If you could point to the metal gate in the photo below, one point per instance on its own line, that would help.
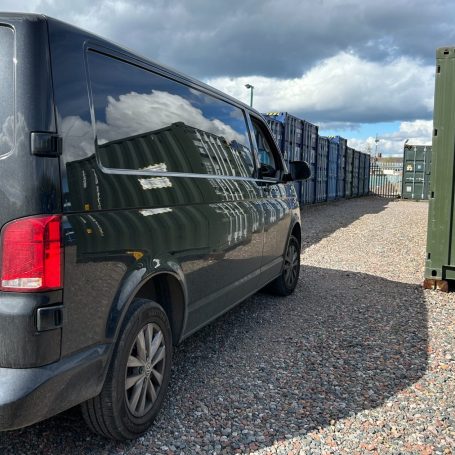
(386, 179)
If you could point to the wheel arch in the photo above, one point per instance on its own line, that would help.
(297, 232)
(165, 287)
(167, 290)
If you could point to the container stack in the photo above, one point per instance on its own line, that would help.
(337, 171)
(298, 140)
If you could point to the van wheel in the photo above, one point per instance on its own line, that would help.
(287, 281)
(138, 375)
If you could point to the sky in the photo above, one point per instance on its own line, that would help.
(359, 69)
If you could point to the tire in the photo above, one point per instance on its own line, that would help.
(138, 375)
(285, 284)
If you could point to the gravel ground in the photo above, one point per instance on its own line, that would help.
(359, 360)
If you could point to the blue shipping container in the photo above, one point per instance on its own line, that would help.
(337, 171)
(355, 173)
(332, 171)
(341, 164)
(321, 169)
(298, 140)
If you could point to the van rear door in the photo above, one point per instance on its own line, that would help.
(29, 187)
(29, 184)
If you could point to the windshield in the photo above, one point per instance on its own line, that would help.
(6, 89)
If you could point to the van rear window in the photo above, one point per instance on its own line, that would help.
(6, 89)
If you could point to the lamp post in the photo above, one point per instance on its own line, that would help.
(250, 87)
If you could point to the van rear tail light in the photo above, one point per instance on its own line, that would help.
(31, 255)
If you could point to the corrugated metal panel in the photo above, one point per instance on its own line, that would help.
(298, 140)
(338, 171)
(309, 152)
(355, 173)
(416, 172)
(440, 259)
(307, 188)
(341, 164)
(321, 169)
(348, 172)
(278, 131)
(332, 171)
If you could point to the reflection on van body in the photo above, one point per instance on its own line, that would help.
(176, 148)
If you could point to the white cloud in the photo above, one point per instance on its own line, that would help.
(344, 88)
(418, 132)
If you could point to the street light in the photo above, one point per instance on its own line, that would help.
(250, 87)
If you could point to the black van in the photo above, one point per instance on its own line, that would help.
(136, 206)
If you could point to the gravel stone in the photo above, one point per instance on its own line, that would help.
(360, 359)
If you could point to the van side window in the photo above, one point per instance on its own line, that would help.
(7, 133)
(267, 162)
(145, 121)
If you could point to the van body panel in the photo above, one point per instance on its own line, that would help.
(277, 214)
(28, 395)
(22, 346)
(159, 174)
(213, 227)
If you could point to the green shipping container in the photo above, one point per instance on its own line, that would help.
(440, 259)
(416, 172)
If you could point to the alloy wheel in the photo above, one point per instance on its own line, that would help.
(145, 370)
(291, 265)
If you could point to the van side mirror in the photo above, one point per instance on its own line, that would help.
(299, 170)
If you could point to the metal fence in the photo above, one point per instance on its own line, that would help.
(386, 179)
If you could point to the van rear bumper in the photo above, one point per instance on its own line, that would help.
(29, 395)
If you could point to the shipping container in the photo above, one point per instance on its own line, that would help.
(321, 169)
(341, 164)
(298, 140)
(348, 172)
(416, 172)
(332, 171)
(355, 173)
(440, 259)
(337, 171)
